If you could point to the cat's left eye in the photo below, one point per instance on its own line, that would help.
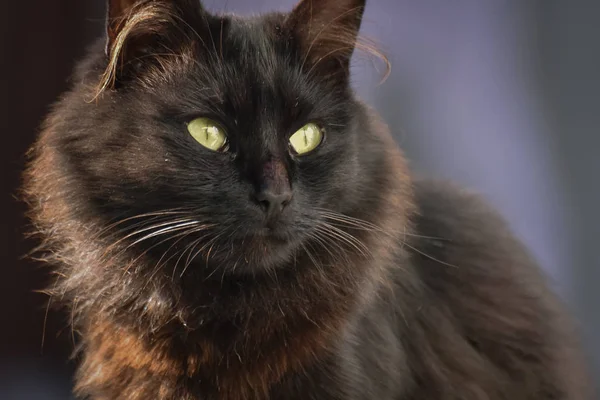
(208, 133)
(308, 138)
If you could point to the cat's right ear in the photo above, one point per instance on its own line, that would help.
(119, 12)
(140, 32)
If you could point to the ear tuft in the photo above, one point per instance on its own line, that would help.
(119, 11)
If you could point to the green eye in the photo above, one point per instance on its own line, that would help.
(308, 138)
(208, 133)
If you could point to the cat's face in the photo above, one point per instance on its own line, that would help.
(238, 138)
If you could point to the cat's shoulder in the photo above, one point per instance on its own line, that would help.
(457, 233)
(450, 212)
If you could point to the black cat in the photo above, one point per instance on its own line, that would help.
(227, 221)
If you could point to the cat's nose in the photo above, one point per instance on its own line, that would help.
(272, 190)
(273, 202)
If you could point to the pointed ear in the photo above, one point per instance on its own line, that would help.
(327, 30)
(118, 12)
(140, 33)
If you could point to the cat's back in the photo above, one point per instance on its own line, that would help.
(460, 234)
(485, 325)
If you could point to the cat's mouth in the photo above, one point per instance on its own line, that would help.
(269, 242)
(275, 231)
(274, 234)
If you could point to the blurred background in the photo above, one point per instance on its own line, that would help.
(502, 96)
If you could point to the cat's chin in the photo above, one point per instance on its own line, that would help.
(263, 249)
(266, 251)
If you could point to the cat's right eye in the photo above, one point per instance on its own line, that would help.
(208, 133)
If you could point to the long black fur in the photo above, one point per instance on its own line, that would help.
(371, 285)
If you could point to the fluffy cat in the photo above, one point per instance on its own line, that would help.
(228, 221)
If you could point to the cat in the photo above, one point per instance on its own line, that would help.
(227, 221)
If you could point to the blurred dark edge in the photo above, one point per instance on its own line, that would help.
(569, 64)
(40, 40)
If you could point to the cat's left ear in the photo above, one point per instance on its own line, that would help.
(327, 30)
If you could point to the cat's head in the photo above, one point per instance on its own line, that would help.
(230, 140)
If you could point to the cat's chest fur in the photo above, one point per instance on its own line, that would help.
(454, 324)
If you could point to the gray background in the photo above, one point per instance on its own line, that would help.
(501, 96)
